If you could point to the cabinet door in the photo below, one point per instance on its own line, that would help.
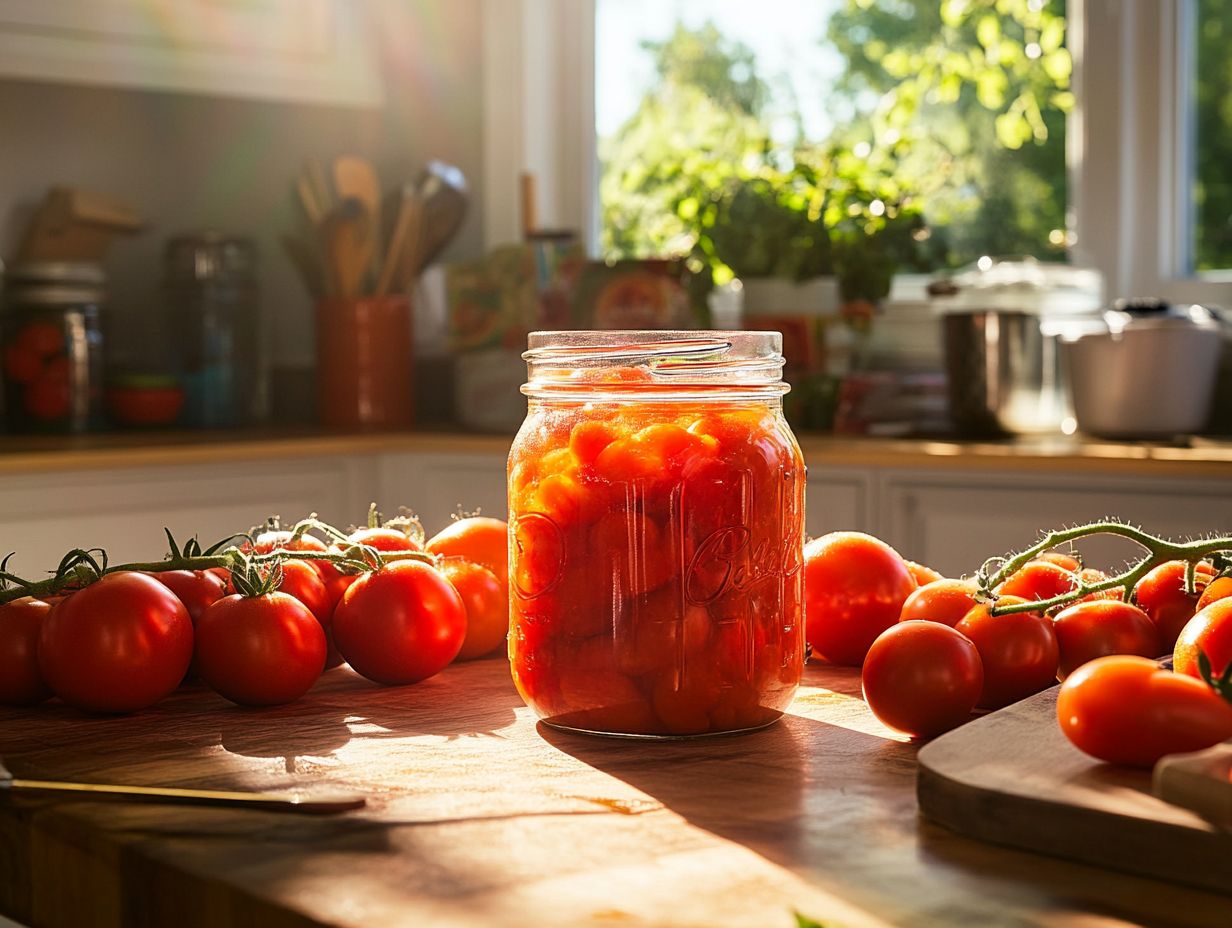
(438, 486)
(838, 499)
(307, 50)
(953, 522)
(125, 511)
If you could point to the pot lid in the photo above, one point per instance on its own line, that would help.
(1023, 284)
(1153, 314)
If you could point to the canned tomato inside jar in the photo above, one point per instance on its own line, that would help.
(656, 500)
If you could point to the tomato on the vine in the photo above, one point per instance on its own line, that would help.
(284, 540)
(1210, 631)
(1038, 580)
(854, 589)
(118, 645)
(922, 678)
(1069, 562)
(1127, 710)
(923, 574)
(487, 606)
(400, 623)
(1219, 588)
(196, 589)
(1018, 651)
(384, 538)
(1161, 595)
(479, 539)
(261, 650)
(944, 601)
(303, 581)
(21, 682)
(1097, 628)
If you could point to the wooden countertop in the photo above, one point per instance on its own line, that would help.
(479, 817)
(1201, 458)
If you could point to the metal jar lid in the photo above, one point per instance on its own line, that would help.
(210, 256)
(56, 283)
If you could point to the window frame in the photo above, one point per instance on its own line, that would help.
(1127, 142)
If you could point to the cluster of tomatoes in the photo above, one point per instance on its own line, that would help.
(38, 369)
(262, 635)
(931, 651)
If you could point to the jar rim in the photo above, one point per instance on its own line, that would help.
(677, 364)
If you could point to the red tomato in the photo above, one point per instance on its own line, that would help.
(923, 574)
(1161, 595)
(944, 601)
(479, 539)
(1064, 561)
(49, 397)
(196, 589)
(922, 678)
(1091, 576)
(589, 438)
(118, 645)
(1127, 710)
(1038, 580)
(260, 650)
(487, 606)
(400, 624)
(1210, 631)
(1100, 627)
(384, 539)
(21, 683)
(1219, 588)
(42, 339)
(1018, 651)
(21, 366)
(854, 589)
(302, 580)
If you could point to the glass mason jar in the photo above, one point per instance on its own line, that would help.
(656, 512)
(51, 341)
(210, 287)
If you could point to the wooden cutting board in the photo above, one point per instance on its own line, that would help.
(1012, 778)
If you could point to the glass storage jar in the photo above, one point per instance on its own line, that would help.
(52, 344)
(210, 286)
(656, 503)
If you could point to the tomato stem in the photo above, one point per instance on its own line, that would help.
(994, 571)
(81, 567)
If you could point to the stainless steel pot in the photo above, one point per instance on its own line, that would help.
(1002, 323)
(1004, 374)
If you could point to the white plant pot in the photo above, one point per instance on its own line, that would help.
(778, 296)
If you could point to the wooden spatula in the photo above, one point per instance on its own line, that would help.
(356, 177)
(350, 243)
(304, 803)
(402, 256)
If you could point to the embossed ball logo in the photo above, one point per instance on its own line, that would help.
(538, 555)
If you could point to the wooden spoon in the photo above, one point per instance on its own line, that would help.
(404, 244)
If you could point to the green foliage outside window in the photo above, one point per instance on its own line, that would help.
(951, 147)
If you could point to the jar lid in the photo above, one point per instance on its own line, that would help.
(204, 256)
(56, 283)
(33, 273)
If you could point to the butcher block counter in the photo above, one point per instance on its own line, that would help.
(479, 816)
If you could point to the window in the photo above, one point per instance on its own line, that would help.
(754, 140)
(1145, 140)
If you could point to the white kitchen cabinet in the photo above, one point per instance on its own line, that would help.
(838, 499)
(317, 51)
(947, 517)
(440, 485)
(952, 520)
(125, 510)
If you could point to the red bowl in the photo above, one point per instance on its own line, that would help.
(145, 406)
